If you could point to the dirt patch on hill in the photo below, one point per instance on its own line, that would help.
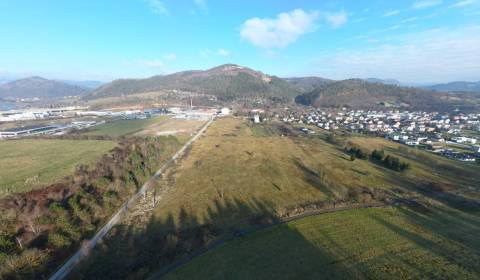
(172, 127)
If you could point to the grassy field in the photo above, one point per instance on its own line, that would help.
(28, 163)
(124, 127)
(239, 176)
(239, 161)
(356, 244)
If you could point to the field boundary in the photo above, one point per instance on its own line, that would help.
(306, 214)
(87, 246)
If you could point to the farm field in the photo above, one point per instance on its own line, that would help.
(124, 127)
(240, 177)
(387, 243)
(28, 163)
(172, 126)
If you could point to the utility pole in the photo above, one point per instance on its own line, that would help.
(154, 197)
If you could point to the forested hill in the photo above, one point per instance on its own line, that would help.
(457, 87)
(226, 82)
(38, 87)
(357, 93)
(308, 84)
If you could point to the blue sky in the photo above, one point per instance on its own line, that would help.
(414, 41)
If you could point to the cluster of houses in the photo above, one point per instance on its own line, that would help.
(454, 135)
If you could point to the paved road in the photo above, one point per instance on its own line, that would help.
(65, 269)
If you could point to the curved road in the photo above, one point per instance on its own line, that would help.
(65, 269)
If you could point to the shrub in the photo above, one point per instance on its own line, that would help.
(6, 244)
(24, 265)
(58, 241)
(110, 195)
(378, 155)
(394, 163)
(357, 153)
(56, 208)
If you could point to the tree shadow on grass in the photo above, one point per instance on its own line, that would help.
(458, 261)
(169, 247)
(435, 191)
(165, 244)
(461, 227)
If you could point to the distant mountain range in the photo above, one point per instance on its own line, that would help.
(232, 82)
(37, 87)
(226, 82)
(84, 84)
(385, 82)
(456, 87)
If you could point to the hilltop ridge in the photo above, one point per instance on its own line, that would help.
(226, 82)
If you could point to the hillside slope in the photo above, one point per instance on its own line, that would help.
(360, 94)
(457, 87)
(38, 87)
(382, 81)
(240, 177)
(226, 82)
(308, 84)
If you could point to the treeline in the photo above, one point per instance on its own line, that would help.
(43, 227)
(378, 156)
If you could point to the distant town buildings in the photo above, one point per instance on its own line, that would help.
(82, 118)
(224, 111)
(442, 133)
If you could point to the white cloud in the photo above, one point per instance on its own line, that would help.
(463, 3)
(430, 56)
(391, 13)
(153, 63)
(411, 19)
(426, 4)
(223, 52)
(158, 7)
(170, 56)
(206, 53)
(278, 32)
(337, 19)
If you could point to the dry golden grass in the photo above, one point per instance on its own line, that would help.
(230, 163)
(236, 161)
(171, 126)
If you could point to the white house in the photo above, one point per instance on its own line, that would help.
(225, 111)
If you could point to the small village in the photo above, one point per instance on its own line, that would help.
(454, 135)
